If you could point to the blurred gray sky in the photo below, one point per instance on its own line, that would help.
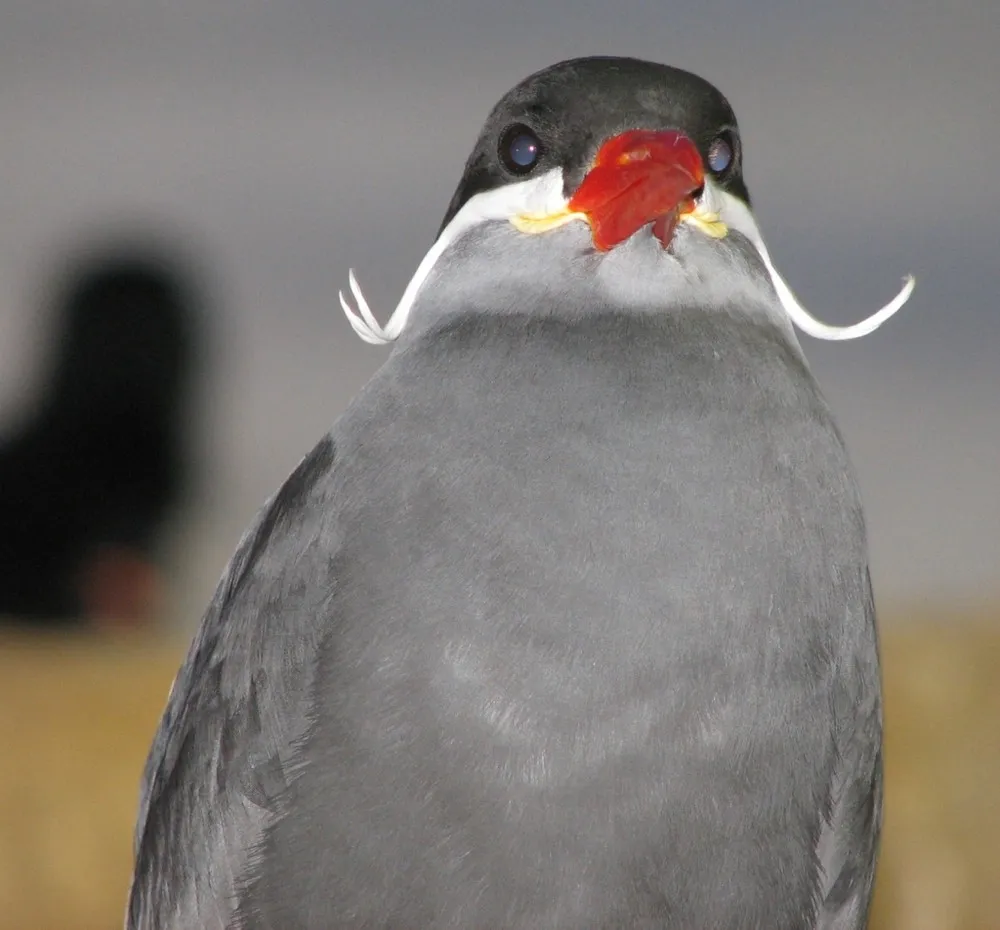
(291, 140)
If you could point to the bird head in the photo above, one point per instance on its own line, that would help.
(630, 148)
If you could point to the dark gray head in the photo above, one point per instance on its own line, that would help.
(571, 108)
(634, 150)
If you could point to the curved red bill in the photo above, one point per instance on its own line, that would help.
(639, 177)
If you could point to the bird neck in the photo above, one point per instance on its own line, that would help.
(495, 270)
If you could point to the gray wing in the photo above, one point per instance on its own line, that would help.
(848, 842)
(219, 762)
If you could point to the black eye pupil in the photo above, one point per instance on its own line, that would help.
(524, 150)
(720, 155)
(520, 149)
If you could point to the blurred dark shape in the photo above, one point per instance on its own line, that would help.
(87, 484)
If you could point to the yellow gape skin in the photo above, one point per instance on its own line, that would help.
(709, 223)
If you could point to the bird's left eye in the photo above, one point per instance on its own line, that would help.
(720, 154)
(520, 149)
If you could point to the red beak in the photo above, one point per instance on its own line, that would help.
(639, 177)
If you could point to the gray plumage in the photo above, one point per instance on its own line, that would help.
(566, 624)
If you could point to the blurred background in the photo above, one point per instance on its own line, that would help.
(183, 188)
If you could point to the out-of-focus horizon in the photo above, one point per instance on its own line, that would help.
(284, 143)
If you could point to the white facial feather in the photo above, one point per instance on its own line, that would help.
(540, 196)
(543, 197)
(737, 215)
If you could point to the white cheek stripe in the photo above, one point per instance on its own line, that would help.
(737, 215)
(539, 196)
(543, 197)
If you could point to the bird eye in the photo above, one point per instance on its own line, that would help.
(520, 149)
(720, 154)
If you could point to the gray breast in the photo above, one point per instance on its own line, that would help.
(596, 582)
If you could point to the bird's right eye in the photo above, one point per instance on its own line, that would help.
(520, 149)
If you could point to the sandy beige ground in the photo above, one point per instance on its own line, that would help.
(76, 717)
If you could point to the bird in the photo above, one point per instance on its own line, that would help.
(89, 482)
(568, 620)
